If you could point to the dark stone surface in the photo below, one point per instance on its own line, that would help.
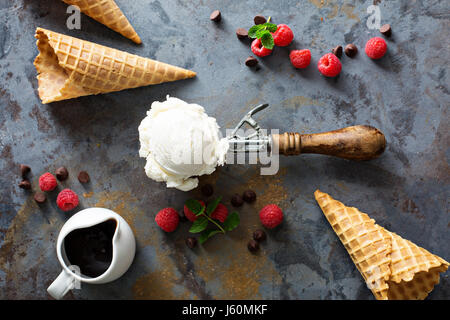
(405, 95)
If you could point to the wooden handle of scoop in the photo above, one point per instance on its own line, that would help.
(355, 143)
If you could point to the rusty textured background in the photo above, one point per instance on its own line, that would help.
(406, 190)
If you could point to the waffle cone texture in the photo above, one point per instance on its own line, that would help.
(393, 268)
(108, 13)
(69, 67)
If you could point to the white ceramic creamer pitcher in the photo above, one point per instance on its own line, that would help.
(123, 250)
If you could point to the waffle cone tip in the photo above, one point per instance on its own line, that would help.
(108, 13)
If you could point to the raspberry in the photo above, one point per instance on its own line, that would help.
(67, 200)
(300, 58)
(283, 36)
(259, 50)
(376, 48)
(271, 216)
(220, 213)
(47, 182)
(167, 219)
(189, 214)
(329, 65)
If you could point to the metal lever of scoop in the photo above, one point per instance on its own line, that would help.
(250, 121)
(248, 143)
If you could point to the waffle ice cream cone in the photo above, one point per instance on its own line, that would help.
(108, 13)
(69, 67)
(393, 268)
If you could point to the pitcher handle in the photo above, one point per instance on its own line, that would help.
(61, 285)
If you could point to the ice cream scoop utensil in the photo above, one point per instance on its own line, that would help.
(360, 142)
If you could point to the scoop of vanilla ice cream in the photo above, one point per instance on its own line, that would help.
(180, 141)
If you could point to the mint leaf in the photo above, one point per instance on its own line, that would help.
(260, 30)
(232, 221)
(270, 26)
(199, 225)
(207, 234)
(261, 33)
(267, 40)
(252, 31)
(212, 206)
(195, 206)
(201, 211)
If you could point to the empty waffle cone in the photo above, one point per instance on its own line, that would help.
(108, 13)
(69, 67)
(393, 268)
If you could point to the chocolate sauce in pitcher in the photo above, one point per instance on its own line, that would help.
(91, 248)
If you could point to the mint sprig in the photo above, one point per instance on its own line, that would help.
(204, 217)
(263, 32)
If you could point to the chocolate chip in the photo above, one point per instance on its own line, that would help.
(24, 170)
(62, 174)
(249, 196)
(242, 33)
(351, 50)
(191, 242)
(386, 30)
(253, 246)
(259, 19)
(337, 51)
(259, 235)
(83, 177)
(215, 16)
(25, 184)
(236, 200)
(207, 190)
(251, 61)
(40, 197)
